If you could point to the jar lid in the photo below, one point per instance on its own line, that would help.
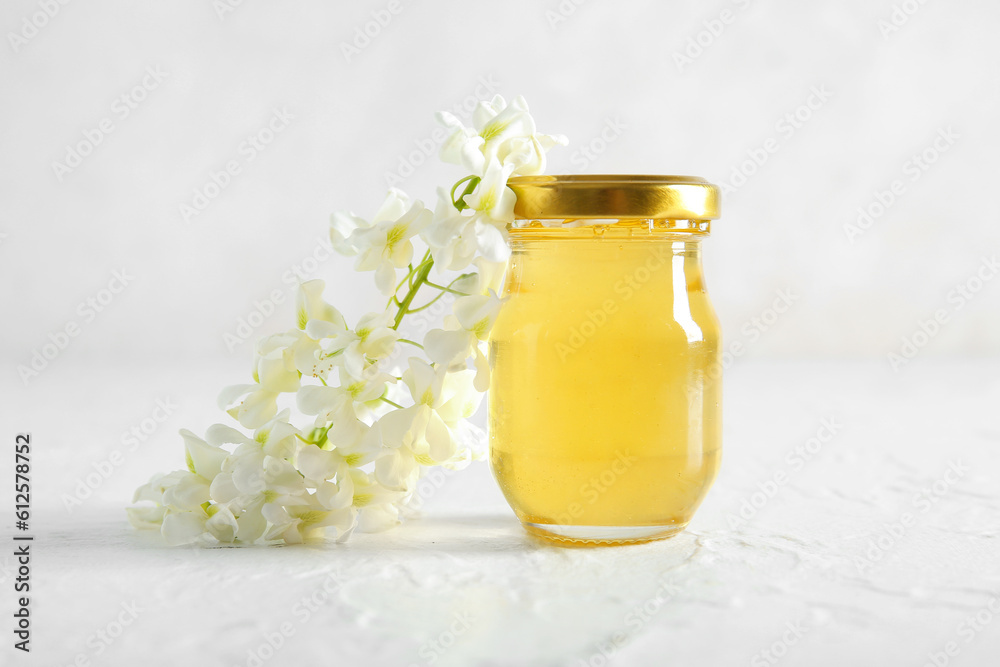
(614, 196)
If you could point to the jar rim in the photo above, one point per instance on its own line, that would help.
(548, 197)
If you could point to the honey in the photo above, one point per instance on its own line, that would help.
(605, 398)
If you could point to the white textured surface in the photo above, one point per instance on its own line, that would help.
(529, 604)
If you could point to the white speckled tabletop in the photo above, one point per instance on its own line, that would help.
(855, 522)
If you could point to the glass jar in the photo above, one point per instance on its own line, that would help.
(605, 395)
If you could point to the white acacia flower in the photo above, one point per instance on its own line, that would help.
(526, 155)
(307, 352)
(465, 338)
(149, 510)
(492, 204)
(488, 277)
(422, 435)
(344, 225)
(187, 527)
(257, 472)
(204, 462)
(275, 438)
(375, 504)
(386, 246)
(356, 349)
(419, 428)
(319, 465)
(275, 373)
(356, 500)
(397, 468)
(350, 436)
(492, 199)
(310, 307)
(175, 504)
(477, 313)
(460, 399)
(463, 146)
(335, 495)
(351, 396)
(359, 460)
(183, 526)
(308, 521)
(455, 238)
(452, 236)
(258, 464)
(346, 443)
(183, 497)
(249, 490)
(503, 132)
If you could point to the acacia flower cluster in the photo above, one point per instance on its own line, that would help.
(374, 410)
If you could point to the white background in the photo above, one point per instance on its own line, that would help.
(355, 120)
(359, 112)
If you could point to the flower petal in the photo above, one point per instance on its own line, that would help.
(441, 446)
(316, 400)
(183, 527)
(222, 525)
(385, 278)
(447, 347)
(203, 458)
(396, 469)
(317, 464)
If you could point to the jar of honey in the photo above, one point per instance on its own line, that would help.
(605, 396)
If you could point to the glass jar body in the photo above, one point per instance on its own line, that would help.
(605, 397)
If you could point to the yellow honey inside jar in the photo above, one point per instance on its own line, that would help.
(605, 422)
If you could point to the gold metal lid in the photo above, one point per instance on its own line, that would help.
(615, 196)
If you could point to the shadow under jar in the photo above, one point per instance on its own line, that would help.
(605, 394)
